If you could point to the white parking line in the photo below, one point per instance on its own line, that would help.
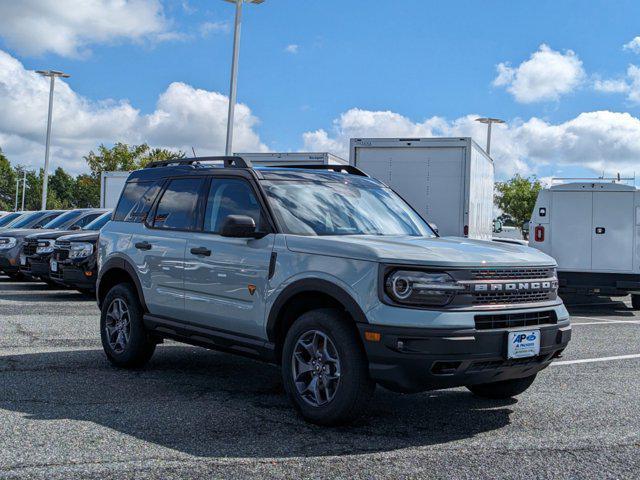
(592, 360)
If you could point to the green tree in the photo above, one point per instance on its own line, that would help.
(120, 157)
(63, 186)
(7, 184)
(517, 197)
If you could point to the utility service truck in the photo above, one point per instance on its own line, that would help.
(297, 158)
(111, 185)
(449, 181)
(593, 231)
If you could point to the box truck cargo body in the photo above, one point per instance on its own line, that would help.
(449, 181)
(593, 232)
(298, 158)
(111, 185)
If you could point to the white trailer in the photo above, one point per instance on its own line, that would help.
(449, 181)
(298, 158)
(593, 232)
(111, 185)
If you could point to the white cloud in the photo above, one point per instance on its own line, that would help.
(600, 140)
(68, 27)
(547, 75)
(293, 48)
(630, 85)
(633, 45)
(207, 28)
(184, 117)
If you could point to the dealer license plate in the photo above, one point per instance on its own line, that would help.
(523, 344)
(54, 266)
(23, 260)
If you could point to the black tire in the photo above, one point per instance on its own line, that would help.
(635, 301)
(139, 347)
(354, 388)
(502, 390)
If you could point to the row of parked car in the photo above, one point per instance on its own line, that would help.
(53, 246)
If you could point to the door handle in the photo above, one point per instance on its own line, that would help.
(600, 230)
(143, 246)
(201, 251)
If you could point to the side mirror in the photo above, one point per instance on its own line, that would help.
(238, 226)
(76, 227)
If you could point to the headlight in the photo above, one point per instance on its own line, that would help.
(7, 242)
(80, 250)
(44, 246)
(421, 288)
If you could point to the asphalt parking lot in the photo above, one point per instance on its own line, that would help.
(66, 413)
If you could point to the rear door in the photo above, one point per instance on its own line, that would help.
(612, 232)
(158, 248)
(571, 217)
(226, 279)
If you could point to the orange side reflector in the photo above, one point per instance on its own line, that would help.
(88, 273)
(372, 336)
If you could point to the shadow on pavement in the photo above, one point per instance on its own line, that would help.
(216, 405)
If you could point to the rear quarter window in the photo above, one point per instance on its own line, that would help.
(135, 201)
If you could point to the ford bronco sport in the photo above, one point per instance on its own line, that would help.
(326, 272)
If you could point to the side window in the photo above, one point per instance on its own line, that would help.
(87, 219)
(178, 207)
(230, 196)
(45, 219)
(135, 201)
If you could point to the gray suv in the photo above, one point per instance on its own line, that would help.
(326, 272)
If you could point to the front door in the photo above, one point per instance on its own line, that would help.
(226, 278)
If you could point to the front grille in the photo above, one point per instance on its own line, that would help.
(61, 250)
(511, 320)
(513, 273)
(30, 248)
(493, 298)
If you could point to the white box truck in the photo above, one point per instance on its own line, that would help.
(593, 232)
(449, 181)
(299, 158)
(111, 185)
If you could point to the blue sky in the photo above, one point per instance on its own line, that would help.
(416, 59)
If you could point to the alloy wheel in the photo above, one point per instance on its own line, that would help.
(316, 368)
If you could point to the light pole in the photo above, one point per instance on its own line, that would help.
(24, 187)
(489, 121)
(52, 74)
(17, 193)
(234, 71)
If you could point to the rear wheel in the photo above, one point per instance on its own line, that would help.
(635, 301)
(124, 338)
(502, 390)
(325, 369)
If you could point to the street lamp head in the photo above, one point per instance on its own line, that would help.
(489, 120)
(53, 73)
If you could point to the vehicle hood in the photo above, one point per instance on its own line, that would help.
(440, 251)
(19, 232)
(89, 236)
(50, 234)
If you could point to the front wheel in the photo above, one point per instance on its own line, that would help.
(124, 338)
(502, 390)
(325, 369)
(635, 301)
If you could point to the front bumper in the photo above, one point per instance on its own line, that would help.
(74, 274)
(418, 359)
(36, 267)
(10, 260)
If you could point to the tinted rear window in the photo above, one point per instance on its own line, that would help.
(178, 207)
(135, 201)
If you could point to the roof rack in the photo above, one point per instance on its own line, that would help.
(227, 161)
(350, 169)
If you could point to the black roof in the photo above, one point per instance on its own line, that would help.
(236, 166)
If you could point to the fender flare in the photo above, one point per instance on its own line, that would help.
(313, 285)
(121, 263)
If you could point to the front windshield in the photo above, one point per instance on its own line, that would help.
(99, 222)
(340, 208)
(7, 219)
(26, 219)
(62, 219)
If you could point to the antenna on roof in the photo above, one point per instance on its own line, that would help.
(194, 151)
